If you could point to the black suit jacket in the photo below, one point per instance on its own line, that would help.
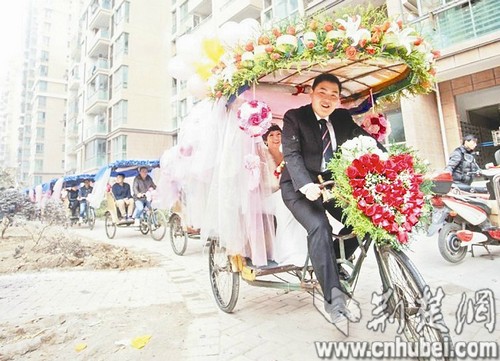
(302, 144)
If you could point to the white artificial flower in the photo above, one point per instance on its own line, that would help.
(397, 37)
(352, 29)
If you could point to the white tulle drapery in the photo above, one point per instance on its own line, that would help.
(211, 175)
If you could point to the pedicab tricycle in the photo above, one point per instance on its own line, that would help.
(273, 72)
(151, 219)
(74, 181)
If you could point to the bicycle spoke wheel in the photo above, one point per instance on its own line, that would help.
(225, 283)
(400, 275)
(143, 226)
(157, 225)
(109, 226)
(91, 218)
(178, 238)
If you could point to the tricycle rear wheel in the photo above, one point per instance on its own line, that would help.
(225, 283)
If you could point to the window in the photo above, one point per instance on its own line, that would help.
(183, 12)
(119, 146)
(39, 148)
(122, 13)
(95, 153)
(37, 179)
(120, 111)
(174, 22)
(40, 133)
(41, 117)
(46, 41)
(120, 78)
(183, 108)
(44, 55)
(44, 70)
(121, 45)
(42, 101)
(279, 9)
(42, 85)
(38, 165)
(175, 121)
(397, 134)
(174, 86)
(46, 27)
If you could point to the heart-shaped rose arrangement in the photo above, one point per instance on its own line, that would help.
(388, 192)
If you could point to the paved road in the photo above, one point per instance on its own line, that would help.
(267, 324)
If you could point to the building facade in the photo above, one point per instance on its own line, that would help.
(118, 86)
(41, 138)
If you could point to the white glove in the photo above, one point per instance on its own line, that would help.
(311, 191)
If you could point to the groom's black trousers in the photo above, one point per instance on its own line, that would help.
(322, 250)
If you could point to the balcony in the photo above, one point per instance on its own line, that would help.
(76, 46)
(202, 7)
(95, 130)
(74, 77)
(95, 162)
(72, 131)
(99, 14)
(97, 102)
(101, 66)
(238, 10)
(454, 26)
(99, 45)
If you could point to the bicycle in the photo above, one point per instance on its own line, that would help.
(89, 216)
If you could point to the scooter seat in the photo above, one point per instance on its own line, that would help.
(479, 203)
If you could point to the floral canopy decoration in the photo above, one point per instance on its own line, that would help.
(383, 194)
(243, 53)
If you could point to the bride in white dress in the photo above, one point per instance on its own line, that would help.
(290, 244)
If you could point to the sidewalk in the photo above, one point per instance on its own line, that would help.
(174, 303)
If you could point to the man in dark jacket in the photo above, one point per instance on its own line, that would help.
(462, 164)
(123, 196)
(310, 136)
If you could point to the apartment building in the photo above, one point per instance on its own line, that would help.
(118, 85)
(10, 95)
(41, 139)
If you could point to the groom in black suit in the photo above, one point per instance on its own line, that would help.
(310, 136)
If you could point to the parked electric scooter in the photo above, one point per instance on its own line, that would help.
(464, 218)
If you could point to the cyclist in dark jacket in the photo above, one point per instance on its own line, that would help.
(462, 164)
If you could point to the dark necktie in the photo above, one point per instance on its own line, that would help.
(327, 142)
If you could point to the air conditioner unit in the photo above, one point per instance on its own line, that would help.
(411, 6)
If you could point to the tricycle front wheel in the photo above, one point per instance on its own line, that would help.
(109, 226)
(408, 292)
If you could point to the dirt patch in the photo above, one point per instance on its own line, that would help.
(34, 246)
(106, 335)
